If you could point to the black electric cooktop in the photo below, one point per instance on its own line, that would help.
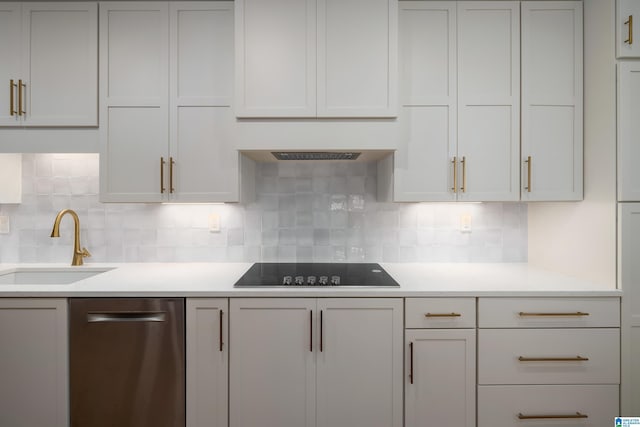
(315, 275)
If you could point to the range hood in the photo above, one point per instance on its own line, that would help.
(316, 155)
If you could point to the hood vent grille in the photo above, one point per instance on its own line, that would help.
(315, 155)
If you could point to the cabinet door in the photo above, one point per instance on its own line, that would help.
(207, 362)
(60, 63)
(489, 100)
(202, 143)
(551, 100)
(272, 366)
(360, 362)
(34, 390)
(10, 64)
(357, 58)
(628, 131)
(423, 168)
(275, 58)
(441, 381)
(134, 97)
(627, 29)
(629, 274)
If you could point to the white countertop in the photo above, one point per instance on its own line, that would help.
(217, 279)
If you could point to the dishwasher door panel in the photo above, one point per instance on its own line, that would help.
(127, 366)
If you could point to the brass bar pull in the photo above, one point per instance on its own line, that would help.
(553, 359)
(171, 164)
(12, 101)
(311, 330)
(455, 174)
(162, 162)
(221, 341)
(528, 162)
(547, 417)
(464, 174)
(629, 22)
(443, 315)
(575, 314)
(321, 349)
(21, 110)
(411, 362)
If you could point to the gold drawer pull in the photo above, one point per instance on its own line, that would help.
(553, 359)
(629, 22)
(455, 174)
(443, 315)
(576, 314)
(547, 417)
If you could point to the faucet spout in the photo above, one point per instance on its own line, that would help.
(78, 254)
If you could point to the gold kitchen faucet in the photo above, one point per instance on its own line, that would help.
(78, 254)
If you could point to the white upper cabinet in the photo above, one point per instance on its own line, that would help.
(627, 28)
(308, 58)
(628, 131)
(552, 135)
(50, 64)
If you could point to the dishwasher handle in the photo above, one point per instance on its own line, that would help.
(127, 316)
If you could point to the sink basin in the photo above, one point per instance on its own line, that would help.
(47, 275)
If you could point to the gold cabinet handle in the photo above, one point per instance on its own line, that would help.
(455, 174)
(21, 107)
(528, 162)
(12, 101)
(553, 359)
(162, 162)
(411, 362)
(574, 314)
(442, 315)
(464, 174)
(629, 22)
(171, 164)
(547, 417)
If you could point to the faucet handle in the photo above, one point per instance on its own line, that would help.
(85, 253)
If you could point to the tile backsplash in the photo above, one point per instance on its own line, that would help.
(304, 211)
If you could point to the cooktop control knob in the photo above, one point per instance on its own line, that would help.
(299, 280)
(335, 280)
(286, 280)
(311, 280)
(323, 281)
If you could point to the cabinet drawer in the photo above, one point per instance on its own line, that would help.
(440, 313)
(548, 312)
(501, 406)
(505, 356)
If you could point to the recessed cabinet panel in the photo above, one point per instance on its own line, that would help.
(10, 63)
(628, 131)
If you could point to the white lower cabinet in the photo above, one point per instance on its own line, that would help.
(34, 385)
(207, 362)
(315, 362)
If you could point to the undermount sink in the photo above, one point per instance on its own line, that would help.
(47, 275)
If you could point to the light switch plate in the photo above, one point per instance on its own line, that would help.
(465, 223)
(214, 223)
(4, 224)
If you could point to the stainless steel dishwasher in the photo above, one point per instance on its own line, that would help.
(127, 363)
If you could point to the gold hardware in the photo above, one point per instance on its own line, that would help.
(411, 362)
(21, 111)
(12, 100)
(171, 163)
(576, 314)
(546, 417)
(553, 359)
(221, 342)
(311, 330)
(528, 162)
(78, 254)
(455, 174)
(464, 174)
(442, 315)
(629, 22)
(321, 349)
(162, 162)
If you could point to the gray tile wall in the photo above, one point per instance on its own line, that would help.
(303, 212)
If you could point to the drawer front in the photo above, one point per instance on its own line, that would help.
(503, 406)
(548, 312)
(549, 356)
(441, 313)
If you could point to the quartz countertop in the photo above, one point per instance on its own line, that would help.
(217, 279)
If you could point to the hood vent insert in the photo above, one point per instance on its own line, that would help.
(315, 155)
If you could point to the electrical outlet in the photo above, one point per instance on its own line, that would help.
(465, 223)
(214, 223)
(4, 224)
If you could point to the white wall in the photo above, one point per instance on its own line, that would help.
(580, 238)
